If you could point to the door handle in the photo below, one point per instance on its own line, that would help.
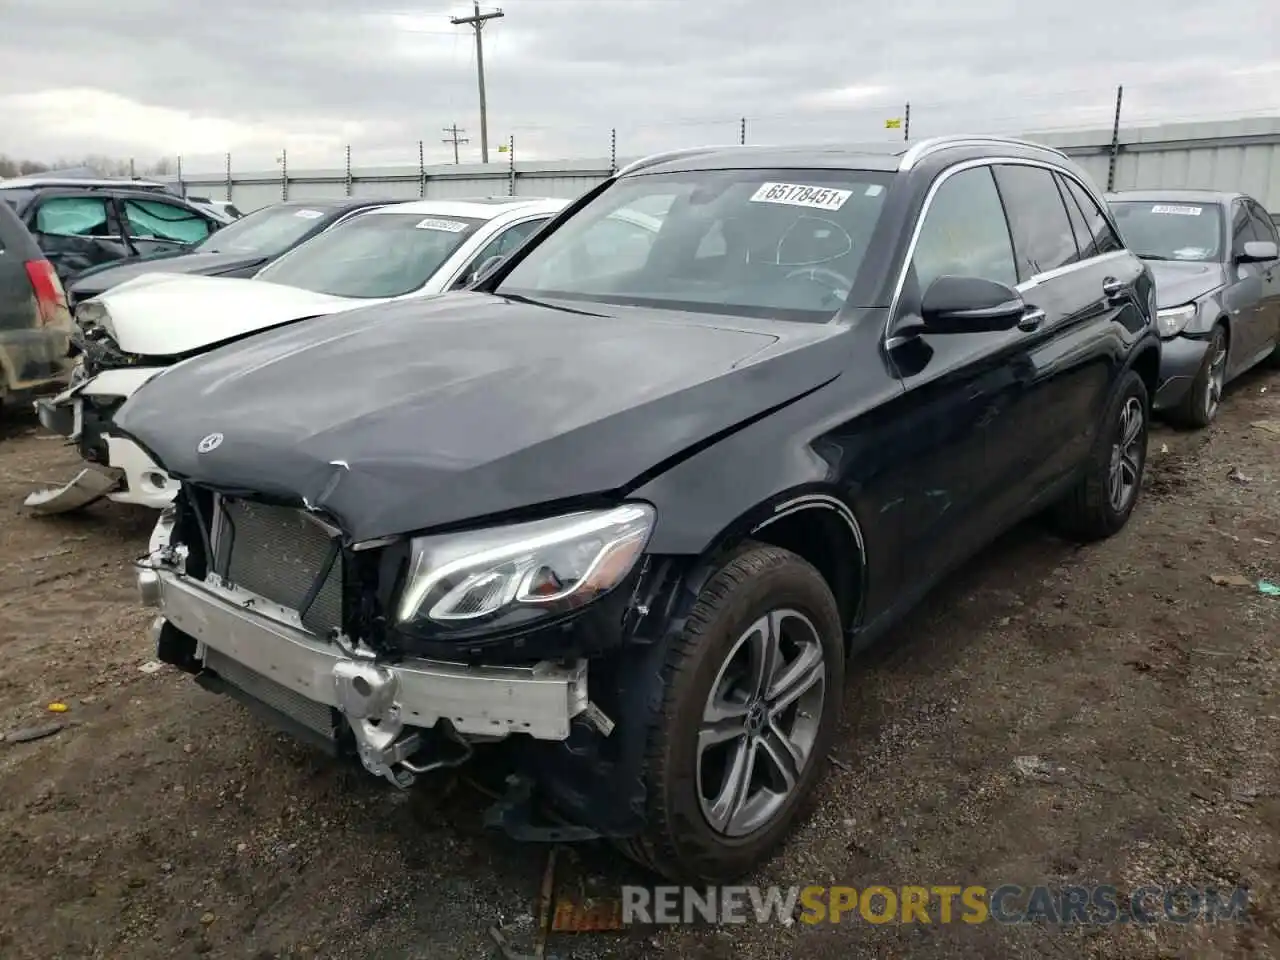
(1113, 287)
(1031, 320)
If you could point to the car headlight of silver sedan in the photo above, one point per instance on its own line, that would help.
(511, 576)
(1173, 320)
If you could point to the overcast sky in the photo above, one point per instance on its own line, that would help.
(197, 78)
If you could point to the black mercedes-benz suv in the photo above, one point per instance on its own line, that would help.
(632, 501)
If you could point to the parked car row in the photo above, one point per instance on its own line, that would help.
(623, 482)
(357, 253)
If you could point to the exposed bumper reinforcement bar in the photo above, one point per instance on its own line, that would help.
(381, 700)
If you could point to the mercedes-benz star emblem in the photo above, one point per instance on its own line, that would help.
(211, 442)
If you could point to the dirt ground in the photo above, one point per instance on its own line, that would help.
(166, 822)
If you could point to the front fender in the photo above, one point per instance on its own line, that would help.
(831, 444)
(1210, 308)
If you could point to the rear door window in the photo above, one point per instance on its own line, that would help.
(1081, 229)
(1042, 236)
(1103, 238)
(73, 217)
(156, 220)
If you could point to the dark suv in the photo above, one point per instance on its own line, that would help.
(82, 223)
(35, 323)
(633, 500)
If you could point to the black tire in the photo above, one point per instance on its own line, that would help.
(1087, 512)
(679, 842)
(1199, 407)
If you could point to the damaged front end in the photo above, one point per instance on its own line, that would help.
(269, 604)
(103, 378)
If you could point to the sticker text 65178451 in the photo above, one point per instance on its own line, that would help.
(800, 195)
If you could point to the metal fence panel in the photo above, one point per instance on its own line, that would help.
(1229, 155)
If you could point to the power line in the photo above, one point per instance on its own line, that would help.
(453, 138)
(477, 21)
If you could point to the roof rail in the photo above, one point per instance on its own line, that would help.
(656, 158)
(918, 151)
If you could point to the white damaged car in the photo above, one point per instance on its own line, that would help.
(140, 328)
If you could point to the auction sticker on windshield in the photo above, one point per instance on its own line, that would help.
(800, 195)
(309, 214)
(449, 226)
(1177, 209)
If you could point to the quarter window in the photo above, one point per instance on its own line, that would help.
(1104, 239)
(964, 233)
(1042, 237)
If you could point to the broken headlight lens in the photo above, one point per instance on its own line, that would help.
(516, 574)
(93, 313)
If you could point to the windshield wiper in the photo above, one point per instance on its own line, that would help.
(1152, 256)
(518, 298)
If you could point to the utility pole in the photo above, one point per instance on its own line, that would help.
(454, 139)
(1115, 141)
(477, 21)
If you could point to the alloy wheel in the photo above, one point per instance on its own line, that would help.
(1126, 455)
(760, 723)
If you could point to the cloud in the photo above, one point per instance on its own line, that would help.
(152, 78)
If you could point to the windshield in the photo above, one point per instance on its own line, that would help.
(375, 255)
(267, 232)
(784, 244)
(1170, 231)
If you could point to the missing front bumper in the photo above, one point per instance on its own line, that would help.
(244, 638)
(90, 484)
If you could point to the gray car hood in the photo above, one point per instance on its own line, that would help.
(1179, 281)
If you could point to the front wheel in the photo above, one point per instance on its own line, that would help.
(1204, 396)
(1105, 495)
(752, 700)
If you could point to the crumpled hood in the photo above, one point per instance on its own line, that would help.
(165, 315)
(100, 279)
(413, 414)
(1179, 282)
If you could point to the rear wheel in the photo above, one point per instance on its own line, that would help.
(752, 699)
(1200, 405)
(1105, 495)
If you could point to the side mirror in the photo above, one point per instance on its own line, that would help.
(970, 305)
(485, 268)
(1255, 251)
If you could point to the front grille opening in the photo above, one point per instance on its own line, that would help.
(281, 554)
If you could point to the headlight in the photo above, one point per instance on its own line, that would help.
(1171, 322)
(93, 313)
(508, 576)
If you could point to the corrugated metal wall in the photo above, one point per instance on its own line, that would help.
(1239, 155)
(1231, 155)
(253, 190)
